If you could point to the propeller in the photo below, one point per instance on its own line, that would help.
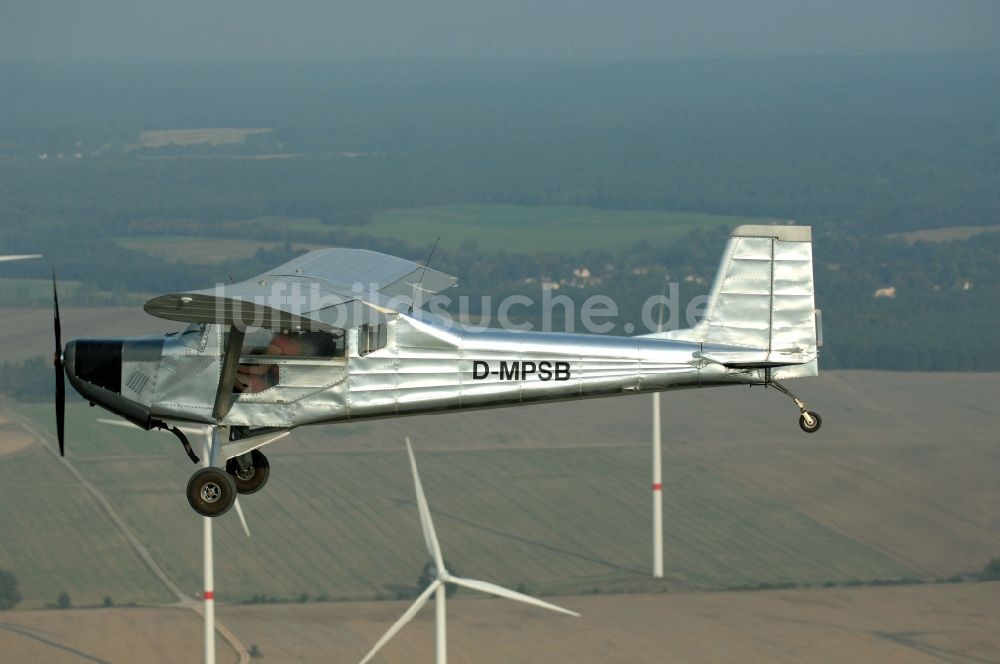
(57, 362)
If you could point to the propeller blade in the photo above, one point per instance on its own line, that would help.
(405, 618)
(60, 410)
(243, 519)
(57, 362)
(500, 591)
(55, 310)
(430, 537)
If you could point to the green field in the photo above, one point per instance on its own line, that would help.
(519, 228)
(55, 537)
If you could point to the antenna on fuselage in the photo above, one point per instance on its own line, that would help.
(424, 271)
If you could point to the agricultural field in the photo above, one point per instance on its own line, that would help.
(945, 234)
(518, 228)
(18, 292)
(78, 549)
(555, 519)
(27, 331)
(208, 135)
(900, 483)
(915, 624)
(106, 635)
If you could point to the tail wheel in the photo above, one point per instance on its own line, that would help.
(810, 421)
(211, 491)
(254, 477)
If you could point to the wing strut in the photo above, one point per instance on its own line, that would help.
(230, 362)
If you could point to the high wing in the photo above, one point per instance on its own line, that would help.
(324, 289)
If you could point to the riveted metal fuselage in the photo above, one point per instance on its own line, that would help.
(425, 366)
(428, 367)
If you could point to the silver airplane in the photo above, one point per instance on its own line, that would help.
(334, 336)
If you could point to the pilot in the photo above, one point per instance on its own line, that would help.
(252, 378)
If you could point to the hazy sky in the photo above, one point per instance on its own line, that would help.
(200, 29)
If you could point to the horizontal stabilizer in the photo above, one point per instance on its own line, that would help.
(753, 360)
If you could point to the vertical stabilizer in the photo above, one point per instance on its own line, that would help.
(762, 298)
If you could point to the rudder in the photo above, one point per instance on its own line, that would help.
(763, 298)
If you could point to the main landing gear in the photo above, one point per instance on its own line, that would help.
(212, 491)
(250, 471)
(809, 421)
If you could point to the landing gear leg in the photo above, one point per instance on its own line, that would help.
(809, 421)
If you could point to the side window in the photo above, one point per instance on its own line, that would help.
(371, 338)
(301, 345)
(268, 356)
(321, 345)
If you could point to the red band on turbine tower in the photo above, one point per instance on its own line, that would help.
(657, 487)
(209, 594)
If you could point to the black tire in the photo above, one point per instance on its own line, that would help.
(254, 479)
(817, 422)
(211, 492)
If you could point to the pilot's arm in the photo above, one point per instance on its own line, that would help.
(258, 369)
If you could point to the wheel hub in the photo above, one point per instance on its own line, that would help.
(211, 492)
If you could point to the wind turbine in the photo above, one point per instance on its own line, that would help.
(441, 577)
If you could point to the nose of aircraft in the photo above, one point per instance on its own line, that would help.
(95, 361)
(94, 368)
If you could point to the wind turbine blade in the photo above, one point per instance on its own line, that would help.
(500, 591)
(430, 537)
(119, 423)
(403, 619)
(243, 519)
(4, 259)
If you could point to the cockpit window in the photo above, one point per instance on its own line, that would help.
(301, 345)
(265, 352)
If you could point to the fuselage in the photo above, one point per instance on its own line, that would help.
(409, 365)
